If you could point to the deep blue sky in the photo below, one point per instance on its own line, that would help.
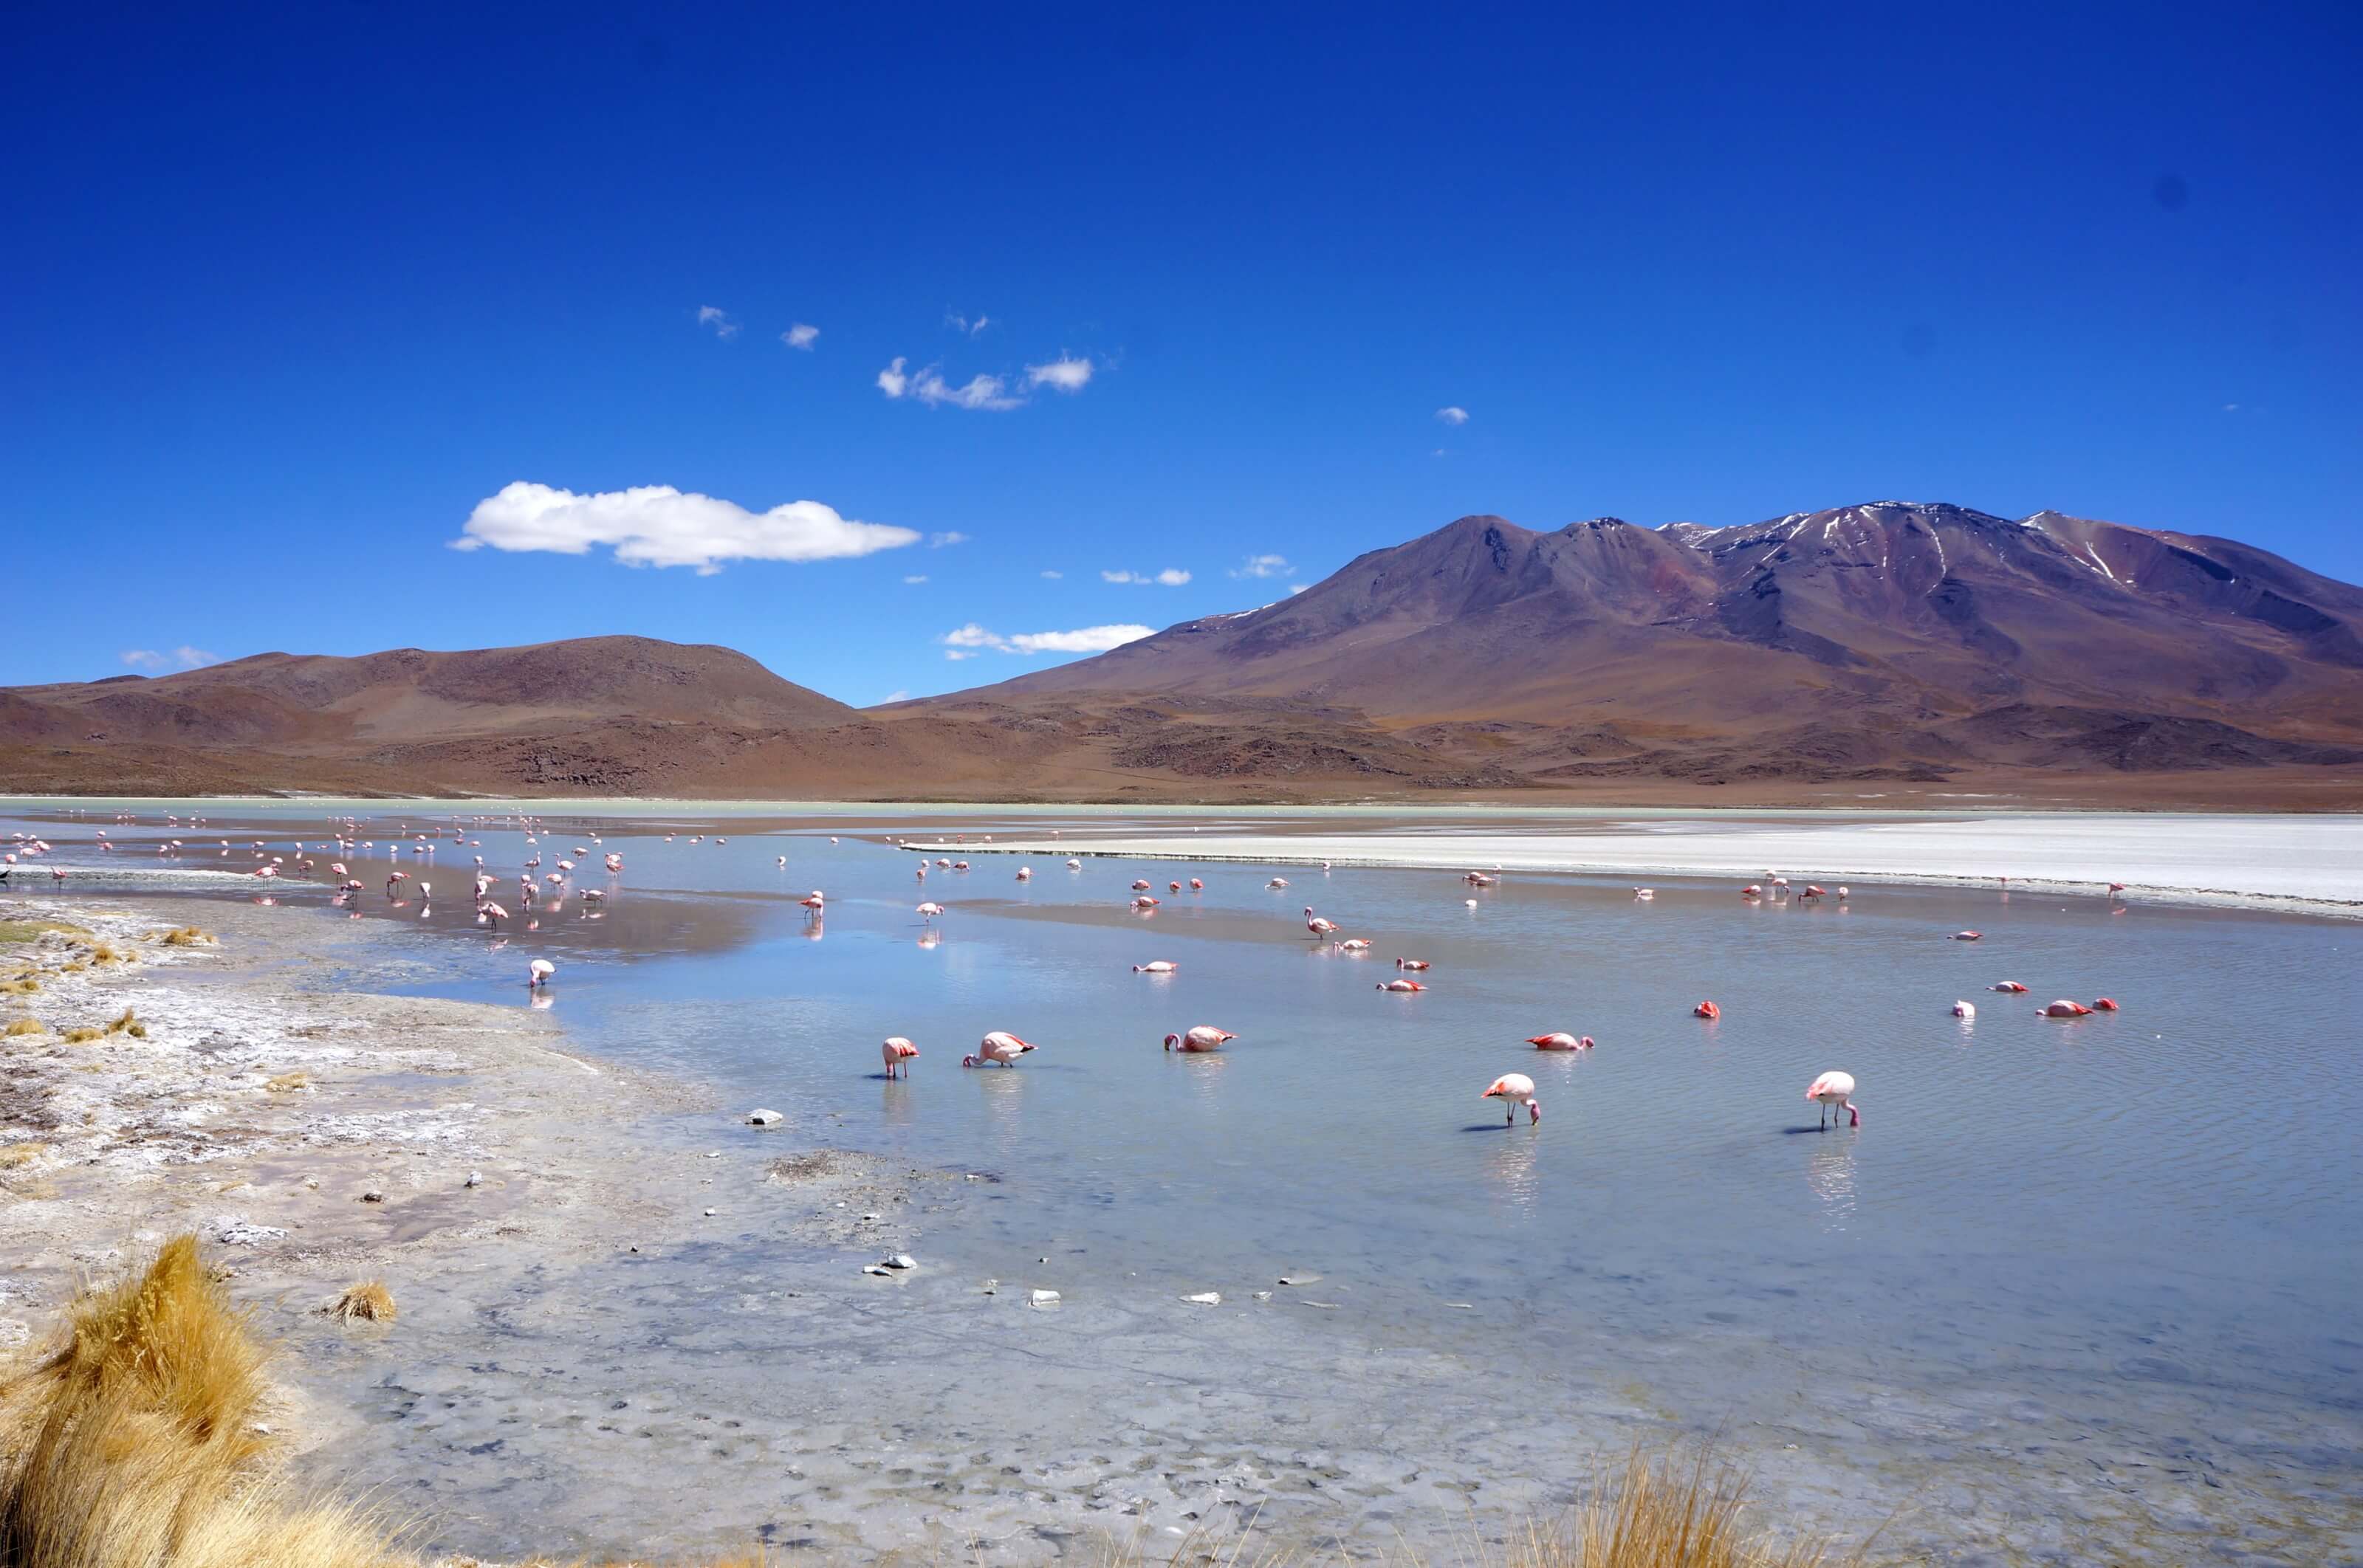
(285, 294)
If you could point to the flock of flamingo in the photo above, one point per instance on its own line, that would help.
(1832, 1091)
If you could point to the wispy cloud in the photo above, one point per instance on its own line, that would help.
(900, 694)
(182, 657)
(1263, 566)
(1453, 415)
(929, 387)
(1062, 374)
(1172, 577)
(915, 579)
(962, 324)
(1053, 576)
(803, 334)
(966, 642)
(1296, 588)
(658, 525)
(950, 536)
(719, 319)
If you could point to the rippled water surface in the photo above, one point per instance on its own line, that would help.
(2142, 1228)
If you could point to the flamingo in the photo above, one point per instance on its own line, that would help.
(1478, 879)
(1400, 986)
(1025, 873)
(1834, 1089)
(781, 861)
(537, 974)
(2063, 1007)
(1964, 1009)
(1707, 1010)
(1156, 967)
(1353, 944)
(1172, 886)
(1074, 865)
(813, 901)
(929, 910)
(492, 915)
(2011, 986)
(1144, 902)
(2103, 1004)
(1813, 890)
(1751, 891)
(266, 872)
(1196, 885)
(1317, 924)
(1966, 936)
(1559, 1042)
(1202, 1037)
(1000, 1047)
(1514, 1089)
(1644, 894)
(390, 881)
(1140, 885)
(898, 1053)
(1843, 892)
(1276, 882)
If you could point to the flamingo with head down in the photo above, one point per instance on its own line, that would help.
(1001, 1048)
(1203, 1037)
(1834, 1089)
(1559, 1042)
(898, 1054)
(1514, 1089)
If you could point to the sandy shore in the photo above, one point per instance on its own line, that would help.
(2309, 865)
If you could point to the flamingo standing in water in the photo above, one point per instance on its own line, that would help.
(537, 974)
(492, 915)
(1965, 1010)
(1515, 1089)
(2063, 1007)
(1707, 1010)
(898, 1054)
(1562, 1042)
(814, 901)
(1413, 963)
(1834, 1089)
(929, 910)
(1156, 967)
(1317, 924)
(1000, 1047)
(1202, 1037)
(1400, 986)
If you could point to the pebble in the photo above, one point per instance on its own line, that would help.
(1264, 1295)
(709, 1214)
(880, 1269)
(993, 1288)
(372, 1195)
(1045, 1299)
(1206, 1299)
(475, 1179)
(762, 1117)
(1300, 1279)
(902, 1260)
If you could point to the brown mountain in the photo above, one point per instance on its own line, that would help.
(1892, 640)
(1913, 650)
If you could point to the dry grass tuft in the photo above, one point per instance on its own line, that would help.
(370, 1302)
(84, 1035)
(187, 937)
(34, 930)
(25, 1026)
(14, 1156)
(22, 985)
(288, 1083)
(128, 1024)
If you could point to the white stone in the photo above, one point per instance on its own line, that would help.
(762, 1117)
(1206, 1299)
(1045, 1299)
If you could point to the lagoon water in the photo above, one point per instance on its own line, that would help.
(2073, 1290)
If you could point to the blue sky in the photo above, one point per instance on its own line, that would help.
(293, 295)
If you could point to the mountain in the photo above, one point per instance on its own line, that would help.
(1886, 640)
(1891, 651)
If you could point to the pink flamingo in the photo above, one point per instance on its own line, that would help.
(537, 974)
(1834, 1089)
(1140, 885)
(2011, 986)
(2063, 1007)
(1196, 885)
(1514, 1089)
(1203, 1037)
(1000, 1047)
(814, 901)
(2103, 1004)
(1156, 967)
(1317, 924)
(1413, 963)
(898, 1053)
(929, 910)
(1562, 1042)
(1707, 1010)
(1405, 986)
(1144, 902)
(492, 915)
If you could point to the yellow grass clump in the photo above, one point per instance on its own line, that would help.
(84, 1035)
(132, 1444)
(128, 1024)
(288, 1083)
(25, 1026)
(370, 1302)
(187, 937)
(14, 1156)
(23, 985)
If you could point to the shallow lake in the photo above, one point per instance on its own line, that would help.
(2071, 1286)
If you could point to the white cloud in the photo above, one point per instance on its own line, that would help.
(800, 336)
(937, 541)
(967, 641)
(960, 323)
(658, 525)
(1454, 415)
(1062, 374)
(185, 657)
(1053, 576)
(930, 388)
(1263, 566)
(900, 694)
(1172, 577)
(1296, 588)
(916, 578)
(718, 318)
